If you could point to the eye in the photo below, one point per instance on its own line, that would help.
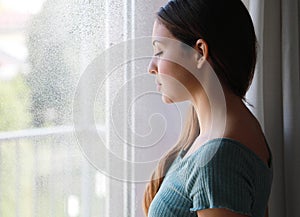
(158, 54)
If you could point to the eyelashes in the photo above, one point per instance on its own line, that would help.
(158, 54)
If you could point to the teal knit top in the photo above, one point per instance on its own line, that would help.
(221, 173)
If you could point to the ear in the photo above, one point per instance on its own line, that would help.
(202, 52)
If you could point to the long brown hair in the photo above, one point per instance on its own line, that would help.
(190, 131)
(227, 28)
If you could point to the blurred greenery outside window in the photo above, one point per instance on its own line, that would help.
(42, 170)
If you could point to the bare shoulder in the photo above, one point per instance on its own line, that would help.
(248, 132)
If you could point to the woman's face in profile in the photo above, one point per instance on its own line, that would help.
(174, 81)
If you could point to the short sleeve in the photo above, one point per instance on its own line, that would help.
(226, 180)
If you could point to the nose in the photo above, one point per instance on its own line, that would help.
(152, 68)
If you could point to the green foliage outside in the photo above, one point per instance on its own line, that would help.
(15, 115)
(37, 174)
(14, 104)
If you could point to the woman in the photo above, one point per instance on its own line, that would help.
(221, 165)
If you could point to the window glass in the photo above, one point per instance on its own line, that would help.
(46, 47)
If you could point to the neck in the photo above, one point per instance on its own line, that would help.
(213, 111)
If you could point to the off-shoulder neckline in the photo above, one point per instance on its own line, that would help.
(228, 141)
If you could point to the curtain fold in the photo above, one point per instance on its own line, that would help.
(275, 94)
(291, 104)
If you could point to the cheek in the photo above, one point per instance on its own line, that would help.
(175, 81)
(170, 73)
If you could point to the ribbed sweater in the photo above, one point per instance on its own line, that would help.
(221, 173)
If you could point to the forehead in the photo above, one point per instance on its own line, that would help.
(160, 31)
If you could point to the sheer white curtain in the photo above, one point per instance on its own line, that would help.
(275, 94)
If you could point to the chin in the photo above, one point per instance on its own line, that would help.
(168, 100)
(173, 96)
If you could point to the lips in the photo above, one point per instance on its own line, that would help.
(158, 87)
(157, 82)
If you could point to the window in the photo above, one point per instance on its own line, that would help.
(46, 48)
